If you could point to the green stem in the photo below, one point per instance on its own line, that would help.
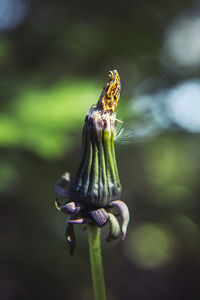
(96, 262)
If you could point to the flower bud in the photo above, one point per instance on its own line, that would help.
(95, 188)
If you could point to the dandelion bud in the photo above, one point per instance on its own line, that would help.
(96, 187)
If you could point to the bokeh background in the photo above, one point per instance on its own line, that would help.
(54, 60)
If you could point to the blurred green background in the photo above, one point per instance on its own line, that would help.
(54, 60)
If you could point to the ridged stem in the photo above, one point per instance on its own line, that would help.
(96, 262)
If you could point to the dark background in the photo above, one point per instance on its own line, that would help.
(54, 60)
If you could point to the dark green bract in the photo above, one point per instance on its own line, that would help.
(96, 182)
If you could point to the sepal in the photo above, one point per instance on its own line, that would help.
(114, 231)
